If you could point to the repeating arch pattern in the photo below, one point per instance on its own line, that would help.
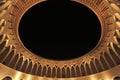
(11, 57)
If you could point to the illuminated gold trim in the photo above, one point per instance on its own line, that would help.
(103, 57)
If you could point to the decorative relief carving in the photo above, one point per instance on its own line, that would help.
(14, 55)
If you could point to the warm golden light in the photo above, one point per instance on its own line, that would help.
(19, 63)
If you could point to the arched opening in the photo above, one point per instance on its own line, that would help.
(7, 78)
(117, 78)
(60, 29)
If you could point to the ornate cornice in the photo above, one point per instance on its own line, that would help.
(104, 56)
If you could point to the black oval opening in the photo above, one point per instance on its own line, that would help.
(117, 78)
(60, 30)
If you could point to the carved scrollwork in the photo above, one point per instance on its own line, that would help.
(105, 56)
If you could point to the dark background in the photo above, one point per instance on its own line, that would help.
(59, 29)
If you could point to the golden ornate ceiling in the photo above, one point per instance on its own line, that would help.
(18, 63)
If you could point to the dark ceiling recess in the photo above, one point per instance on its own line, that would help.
(117, 78)
(59, 30)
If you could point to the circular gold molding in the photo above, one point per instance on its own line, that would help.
(15, 55)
